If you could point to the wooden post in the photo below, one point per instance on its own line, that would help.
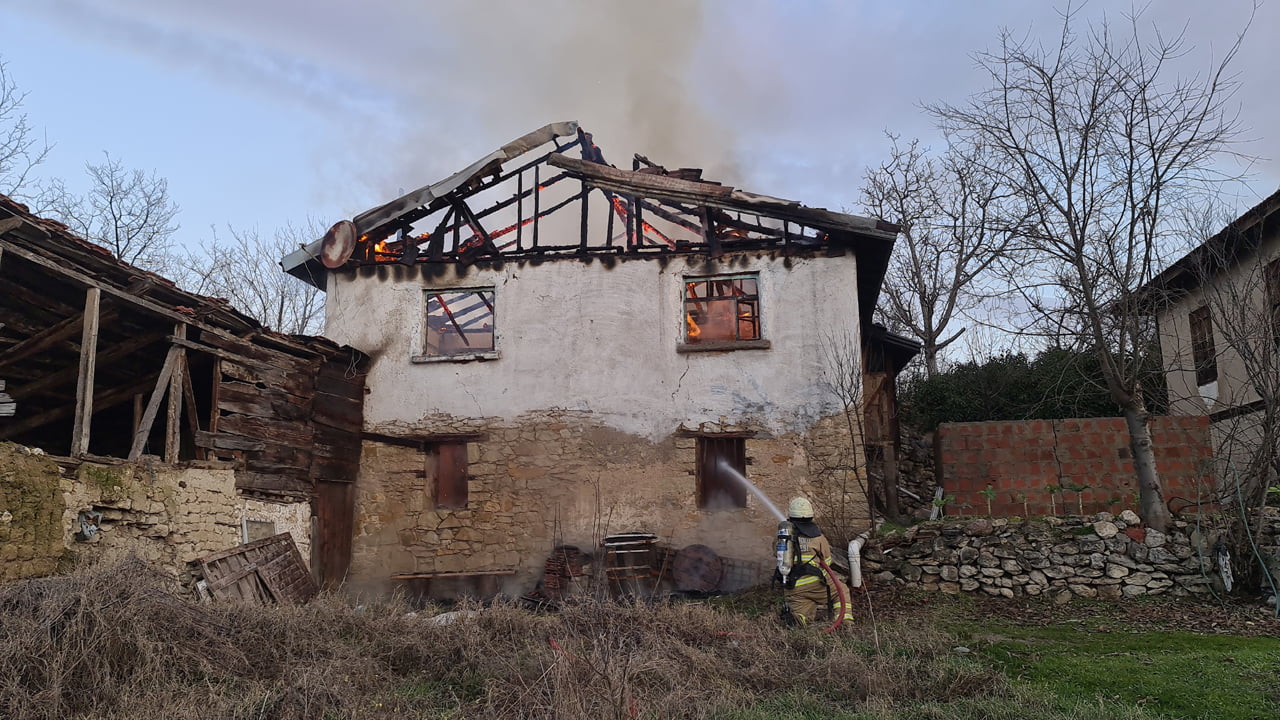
(153, 405)
(173, 419)
(84, 383)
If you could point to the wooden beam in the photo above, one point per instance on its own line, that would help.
(88, 365)
(173, 425)
(42, 341)
(101, 401)
(115, 292)
(10, 223)
(189, 403)
(105, 357)
(153, 405)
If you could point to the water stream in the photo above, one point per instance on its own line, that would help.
(741, 479)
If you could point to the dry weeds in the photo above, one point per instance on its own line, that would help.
(117, 642)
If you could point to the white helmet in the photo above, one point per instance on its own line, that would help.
(800, 507)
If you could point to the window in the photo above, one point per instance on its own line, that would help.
(447, 466)
(1202, 350)
(459, 322)
(1273, 297)
(719, 459)
(721, 309)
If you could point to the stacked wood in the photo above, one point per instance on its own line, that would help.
(8, 408)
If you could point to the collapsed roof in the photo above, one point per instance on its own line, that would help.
(648, 211)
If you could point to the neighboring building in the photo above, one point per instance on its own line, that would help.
(1218, 310)
(179, 426)
(562, 350)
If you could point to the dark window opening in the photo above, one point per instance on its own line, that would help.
(721, 309)
(1202, 351)
(447, 466)
(1273, 297)
(459, 322)
(718, 459)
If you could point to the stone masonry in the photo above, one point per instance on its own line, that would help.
(1104, 555)
(165, 515)
(558, 478)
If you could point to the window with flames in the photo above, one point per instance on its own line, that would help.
(459, 322)
(724, 308)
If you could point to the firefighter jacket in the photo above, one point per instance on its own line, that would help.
(810, 548)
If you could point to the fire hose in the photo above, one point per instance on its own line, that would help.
(844, 599)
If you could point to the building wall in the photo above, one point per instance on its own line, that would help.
(164, 515)
(586, 414)
(590, 337)
(558, 477)
(1020, 460)
(1237, 301)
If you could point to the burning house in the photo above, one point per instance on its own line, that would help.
(562, 350)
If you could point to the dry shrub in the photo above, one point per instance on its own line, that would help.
(118, 642)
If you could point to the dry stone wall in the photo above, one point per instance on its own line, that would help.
(1104, 556)
(558, 477)
(167, 516)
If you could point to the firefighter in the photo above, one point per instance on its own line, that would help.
(808, 586)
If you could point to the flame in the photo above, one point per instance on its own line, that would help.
(380, 247)
(620, 207)
(694, 330)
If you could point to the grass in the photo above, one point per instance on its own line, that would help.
(1168, 675)
(119, 642)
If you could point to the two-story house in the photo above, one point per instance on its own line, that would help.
(562, 350)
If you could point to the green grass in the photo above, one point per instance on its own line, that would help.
(1166, 675)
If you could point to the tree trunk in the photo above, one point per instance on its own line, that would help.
(930, 361)
(1151, 504)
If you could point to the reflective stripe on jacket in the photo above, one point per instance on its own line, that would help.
(808, 556)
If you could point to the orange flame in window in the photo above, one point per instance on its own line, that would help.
(694, 330)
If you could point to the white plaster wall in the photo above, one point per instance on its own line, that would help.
(583, 336)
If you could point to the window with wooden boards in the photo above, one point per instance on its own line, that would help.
(448, 470)
(718, 458)
(1203, 354)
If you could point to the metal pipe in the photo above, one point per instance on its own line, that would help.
(855, 560)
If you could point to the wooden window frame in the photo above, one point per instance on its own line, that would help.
(746, 308)
(487, 295)
(1204, 356)
(716, 491)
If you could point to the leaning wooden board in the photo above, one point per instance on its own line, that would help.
(259, 573)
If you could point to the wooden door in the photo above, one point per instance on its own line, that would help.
(333, 512)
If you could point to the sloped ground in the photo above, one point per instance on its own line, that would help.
(114, 642)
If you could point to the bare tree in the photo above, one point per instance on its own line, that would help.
(20, 149)
(246, 271)
(953, 220)
(1101, 148)
(125, 210)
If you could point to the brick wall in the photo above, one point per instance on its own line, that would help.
(1021, 460)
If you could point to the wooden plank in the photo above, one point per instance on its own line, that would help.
(217, 393)
(334, 508)
(88, 364)
(173, 425)
(189, 403)
(227, 442)
(42, 341)
(105, 357)
(451, 475)
(452, 573)
(298, 435)
(153, 405)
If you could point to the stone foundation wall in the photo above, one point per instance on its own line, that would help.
(165, 515)
(1098, 556)
(559, 478)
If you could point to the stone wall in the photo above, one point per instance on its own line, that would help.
(916, 473)
(1097, 556)
(1021, 461)
(560, 478)
(165, 515)
(30, 514)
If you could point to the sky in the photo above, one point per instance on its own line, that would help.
(265, 113)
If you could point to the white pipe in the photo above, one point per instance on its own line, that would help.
(855, 560)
